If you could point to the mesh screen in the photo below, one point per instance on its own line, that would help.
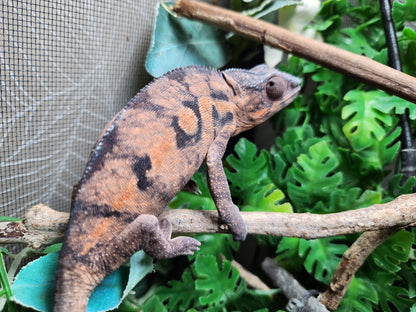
(66, 68)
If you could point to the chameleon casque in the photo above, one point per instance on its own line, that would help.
(146, 155)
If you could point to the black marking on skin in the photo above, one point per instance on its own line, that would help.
(219, 95)
(184, 139)
(80, 211)
(140, 166)
(179, 76)
(227, 118)
(215, 120)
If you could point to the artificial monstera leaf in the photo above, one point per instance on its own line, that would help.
(247, 169)
(180, 295)
(360, 297)
(321, 256)
(220, 283)
(314, 176)
(179, 42)
(367, 116)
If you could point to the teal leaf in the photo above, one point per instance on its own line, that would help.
(34, 286)
(140, 265)
(179, 42)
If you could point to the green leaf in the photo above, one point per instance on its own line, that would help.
(321, 256)
(39, 277)
(219, 283)
(216, 244)
(247, 169)
(396, 188)
(352, 198)
(315, 176)
(266, 198)
(294, 142)
(180, 295)
(288, 254)
(380, 154)
(392, 252)
(153, 305)
(390, 295)
(179, 42)
(53, 248)
(367, 117)
(360, 297)
(201, 200)
(9, 219)
(353, 40)
(404, 12)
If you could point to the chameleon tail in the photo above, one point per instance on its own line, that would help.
(69, 294)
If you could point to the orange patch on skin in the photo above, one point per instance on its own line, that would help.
(95, 236)
(187, 120)
(127, 197)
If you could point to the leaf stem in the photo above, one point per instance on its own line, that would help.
(6, 285)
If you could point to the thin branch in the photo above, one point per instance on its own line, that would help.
(252, 280)
(299, 298)
(351, 261)
(355, 66)
(43, 226)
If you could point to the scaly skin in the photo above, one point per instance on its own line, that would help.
(146, 155)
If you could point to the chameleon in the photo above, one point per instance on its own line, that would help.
(146, 155)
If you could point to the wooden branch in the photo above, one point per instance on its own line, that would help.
(350, 262)
(355, 66)
(43, 226)
(299, 298)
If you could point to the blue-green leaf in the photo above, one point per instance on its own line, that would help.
(179, 42)
(34, 286)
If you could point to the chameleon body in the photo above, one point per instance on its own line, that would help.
(146, 155)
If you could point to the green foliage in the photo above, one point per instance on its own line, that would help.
(320, 257)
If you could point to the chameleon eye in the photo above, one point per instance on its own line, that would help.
(275, 87)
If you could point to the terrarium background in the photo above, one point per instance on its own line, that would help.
(66, 68)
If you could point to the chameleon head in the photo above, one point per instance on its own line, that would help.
(260, 93)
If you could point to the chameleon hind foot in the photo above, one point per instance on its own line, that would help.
(159, 243)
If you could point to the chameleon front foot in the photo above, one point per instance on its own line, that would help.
(235, 223)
